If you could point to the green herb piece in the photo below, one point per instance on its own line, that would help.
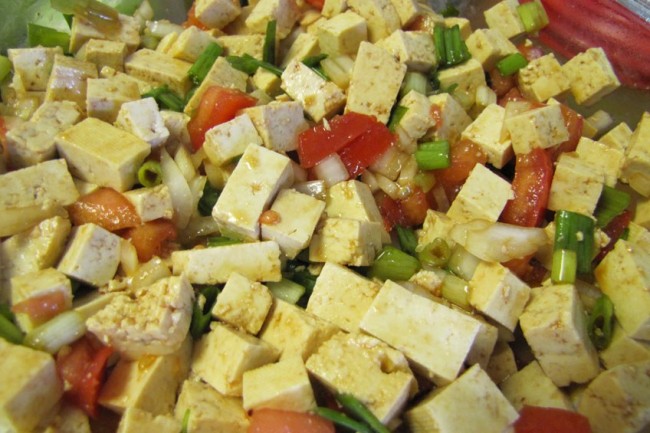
(8, 329)
(249, 64)
(511, 64)
(5, 67)
(57, 332)
(208, 199)
(601, 322)
(287, 290)
(202, 310)
(221, 241)
(150, 174)
(313, 61)
(268, 50)
(575, 232)
(396, 116)
(185, 424)
(342, 420)
(450, 47)
(611, 204)
(47, 37)
(393, 264)
(433, 155)
(456, 290)
(407, 239)
(533, 16)
(165, 98)
(414, 81)
(204, 62)
(359, 410)
(564, 266)
(435, 254)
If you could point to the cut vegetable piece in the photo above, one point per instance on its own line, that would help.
(611, 204)
(601, 322)
(564, 266)
(56, 333)
(47, 37)
(202, 65)
(533, 16)
(359, 410)
(151, 238)
(393, 264)
(511, 64)
(575, 232)
(150, 174)
(105, 207)
(433, 155)
(165, 98)
(534, 419)
(366, 149)
(281, 421)
(268, 51)
(286, 290)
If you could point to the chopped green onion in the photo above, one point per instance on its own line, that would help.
(450, 11)
(204, 62)
(8, 329)
(612, 203)
(208, 199)
(407, 239)
(426, 180)
(249, 64)
(320, 72)
(533, 16)
(298, 272)
(462, 263)
(313, 61)
(57, 332)
(456, 290)
(450, 47)
(221, 241)
(393, 264)
(5, 67)
(150, 174)
(286, 290)
(101, 15)
(342, 420)
(202, 311)
(433, 155)
(150, 41)
(511, 64)
(358, 409)
(398, 112)
(165, 98)
(127, 7)
(414, 81)
(564, 267)
(575, 232)
(268, 50)
(47, 37)
(439, 43)
(435, 254)
(185, 424)
(601, 322)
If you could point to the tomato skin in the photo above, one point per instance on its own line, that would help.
(151, 238)
(414, 207)
(318, 142)
(501, 84)
(192, 20)
(43, 307)
(105, 207)
(532, 187)
(391, 212)
(534, 419)
(528, 270)
(281, 421)
(366, 149)
(218, 105)
(318, 4)
(530, 51)
(464, 155)
(82, 368)
(574, 123)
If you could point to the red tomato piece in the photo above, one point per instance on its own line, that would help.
(531, 186)
(318, 4)
(528, 270)
(534, 419)
(501, 84)
(282, 421)
(464, 155)
(318, 142)
(366, 149)
(391, 212)
(3, 138)
(151, 238)
(530, 51)
(192, 20)
(435, 112)
(82, 367)
(574, 123)
(104, 207)
(43, 307)
(414, 207)
(614, 230)
(218, 105)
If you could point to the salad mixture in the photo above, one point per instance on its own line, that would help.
(318, 216)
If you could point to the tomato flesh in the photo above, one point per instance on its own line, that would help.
(106, 208)
(464, 155)
(43, 307)
(414, 207)
(366, 149)
(282, 421)
(574, 124)
(151, 238)
(534, 419)
(318, 4)
(192, 20)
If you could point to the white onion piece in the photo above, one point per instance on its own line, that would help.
(370, 179)
(331, 170)
(196, 186)
(183, 160)
(389, 187)
(314, 188)
(498, 242)
(388, 164)
(198, 227)
(128, 257)
(162, 28)
(178, 189)
(150, 272)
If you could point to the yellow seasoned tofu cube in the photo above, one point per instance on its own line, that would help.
(279, 123)
(346, 241)
(453, 117)
(576, 186)
(221, 74)
(489, 46)
(591, 76)
(227, 141)
(137, 420)
(618, 137)
(32, 66)
(466, 78)
(415, 49)
(504, 17)
(190, 43)
(304, 45)
(541, 127)
(407, 10)
(152, 203)
(415, 123)
(267, 82)
(239, 44)
(624, 349)
(502, 362)
(159, 69)
(636, 169)
(243, 303)
(530, 386)
(105, 96)
(602, 159)
(381, 15)
(542, 79)
(284, 12)
(142, 118)
(68, 80)
(104, 53)
(83, 30)
(342, 34)
(223, 355)
(217, 13)
(485, 131)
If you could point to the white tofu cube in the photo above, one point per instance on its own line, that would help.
(543, 78)
(453, 119)
(319, 98)
(376, 80)
(298, 215)
(367, 368)
(637, 163)
(191, 42)
(467, 78)
(257, 261)
(68, 80)
(151, 203)
(304, 45)
(267, 82)
(642, 213)
(488, 46)
(284, 12)
(504, 17)
(83, 29)
(159, 69)
(346, 241)
(142, 119)
(342, 34)
(445, 410)
(381, 16)
(341, 296)
(602, 159)
(217, 13)
(352, 199)
(416, 121)
(554, 326)
(104, 53)
(530, 386)
(284, 385)
(408, 11)
(618, 137)
(576, 185)
(413, 48)
(32, 66)
(405, 320)
(229, 140)
(502, 362)
(136, 420)
(541, 127)
(239, 44)
(259, 175)
(624, 349)
(591, 76)
(105, 96)
(223, 355)
(279, 123)
(486, 132)
(243, 303)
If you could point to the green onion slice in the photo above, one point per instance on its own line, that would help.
(611, 204)
(47, 37)
(208, 199)
(393, 264)
(150, 174)
(5, 67)
(433, 155)
(435, 254)
(533, 16)
(342, 420)
(407, 239)
(564, 267)
(601, 322)
(511, 64)
(268, 50)
(204, 62)
(575, 232)
(165, 98)
(396, 116)
(359, 410)
(287, 290)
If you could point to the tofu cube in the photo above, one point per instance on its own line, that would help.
(463, 23)
(192, 41)
(159, 69)
(342, 34)
(530, 386)
(381, 16)
(502, 362)
(637, 163)
(284, 385)
(352, 199)
(624, 349)
(257, 261)
(220, 74)
(239, 44)
(554, 326)
(413, 48)
(467, 78)
(267, 82)
(416, 121)
(223, 355)
(357, 364)
(497, 293)
(576, 185)
(602, 159)
(543, 78)
(227, 141)
(105, 96)
(102, 154)
(319, 98)
(483, 196)
(151, 203)
(436, 225)
(445, 410)
(217, 13)
(104, 53)
(83, 29)
(618, 137)
(299, 213)
(142, 119)
(279, 123)
(304, 45)
(294, 331)
(642, 213)
(136, 420)
(453, 117)
(69, 419)
(488, 46)
(375, 83)
(333, 7)
(624, 273)
(541, 127)
(591, 76)
(504, 17)
(485, 131)
(30, 388)
(405, 320)
(243, 303)
(346, 241)
(210, 411)
(284, 12)
(32, 66)
(341, 296)
(408, 11)
(68, 80)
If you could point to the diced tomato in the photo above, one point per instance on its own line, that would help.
(423, 23)
(414, 207)
(574, 123)
(528, 270)
(105, 207)
(43, 307)
(151, 238)
(391, 212)
(366, 149)
(531, 186)
(512, 95)
(464, 155)
(316, 143)
(501, 84)
(3, 138)
(218, 105)
(82, 367)
(192, 20)
(282, 421)
(318, 4)
(614, 230)
(530, 51)
(534, 419)
(435, 112)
